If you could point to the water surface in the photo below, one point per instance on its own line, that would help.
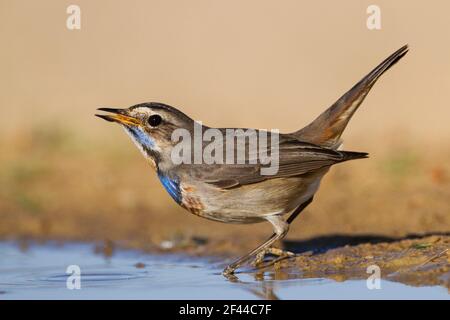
(39, 272)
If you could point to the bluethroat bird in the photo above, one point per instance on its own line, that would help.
(239, 192)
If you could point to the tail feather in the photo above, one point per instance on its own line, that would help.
(327, 129)
(352, 155)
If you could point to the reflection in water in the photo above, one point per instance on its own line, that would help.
(264, 280)
(260, 287)
(264, 290)
(39, 272)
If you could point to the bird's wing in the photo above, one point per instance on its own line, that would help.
(295, 158)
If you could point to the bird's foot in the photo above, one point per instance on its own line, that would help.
(259, 258)
(228, 271)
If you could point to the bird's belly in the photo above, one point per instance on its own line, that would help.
(250, 203)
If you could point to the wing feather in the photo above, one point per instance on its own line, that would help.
(296, 158)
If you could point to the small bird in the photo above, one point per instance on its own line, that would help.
(239, 192)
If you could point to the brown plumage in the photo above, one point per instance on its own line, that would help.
(240, 193)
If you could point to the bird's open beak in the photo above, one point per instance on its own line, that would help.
(118, 115)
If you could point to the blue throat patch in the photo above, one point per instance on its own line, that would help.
(172, 187)
(143, 138)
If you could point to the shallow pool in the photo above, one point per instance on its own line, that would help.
(40, 272)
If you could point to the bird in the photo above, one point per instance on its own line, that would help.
(238, 193)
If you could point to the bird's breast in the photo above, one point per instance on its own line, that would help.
(191, 201)
(184, 194)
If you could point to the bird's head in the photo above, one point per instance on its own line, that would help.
(150, 126)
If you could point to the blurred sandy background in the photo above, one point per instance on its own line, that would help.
(65, 174)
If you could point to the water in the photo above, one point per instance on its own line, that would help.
(40, 273)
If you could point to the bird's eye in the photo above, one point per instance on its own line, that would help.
(154, 120)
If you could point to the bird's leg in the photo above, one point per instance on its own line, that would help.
(299, 209)
(278, 252)
(280, 230)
